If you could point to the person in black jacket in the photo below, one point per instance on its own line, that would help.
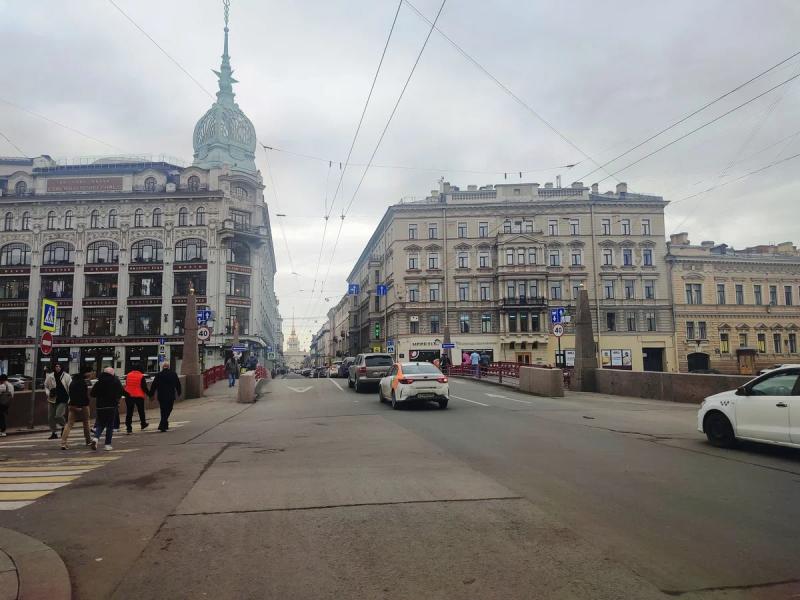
(166, 388)
(78, 407)
(107, 392)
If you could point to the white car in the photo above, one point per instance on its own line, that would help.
(773, 367)
(414, 381)
(766, 409)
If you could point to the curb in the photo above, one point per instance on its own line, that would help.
(36, 569)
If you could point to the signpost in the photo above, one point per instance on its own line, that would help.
(390, 346)
(239, 348)
(49, 308)
(448, 346)
(557, 315)
(46, 343)
(352, 289)
(203, 316)
(381, 290)
(558, 331)
(203, 334)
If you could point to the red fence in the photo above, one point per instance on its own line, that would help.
(213, 375)
(500, 370)
(261, 372)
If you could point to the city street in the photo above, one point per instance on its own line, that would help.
(318, 492)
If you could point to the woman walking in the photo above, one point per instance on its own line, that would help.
(57, 385)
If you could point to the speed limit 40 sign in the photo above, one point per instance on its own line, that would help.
(203, 334)
(558, 330)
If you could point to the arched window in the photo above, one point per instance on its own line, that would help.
(156, 217)
(147, 251)
(8, 222)
(183, 217)
(190, 250)
(68, 220)
(16, 254)
(102, 252)
(200, 216)
(138, 218)
(193, 183)
(26, 221)
(112, 219)
(59, 253)
(94, 219)
(150, 184)
(239, 192)
(51, 219)
(21, 188)
(238, 253)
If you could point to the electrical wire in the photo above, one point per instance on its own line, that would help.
(17, 148)
(277, 206)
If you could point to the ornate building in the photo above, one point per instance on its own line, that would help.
(118, 242)
(293, 356)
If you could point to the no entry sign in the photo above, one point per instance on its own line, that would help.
(46, 343)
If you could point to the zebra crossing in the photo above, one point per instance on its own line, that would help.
(34, 440)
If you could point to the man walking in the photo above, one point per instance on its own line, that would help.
(57, 386)
(79, 407)
(6, 395)
(230, 369)
(135, 391)
(475, 360)
(166, 387)
(107, 393)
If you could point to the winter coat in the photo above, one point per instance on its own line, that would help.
(166, 386)
(62, 393)
(78, 392)
(107, 391)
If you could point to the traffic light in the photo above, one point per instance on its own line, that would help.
(377, 331)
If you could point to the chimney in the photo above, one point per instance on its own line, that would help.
(680, 239)
(707, 243)
(595, 188)
(558, 181)
(577, 185)
(472, 188)
(548, 185)
(622, 188)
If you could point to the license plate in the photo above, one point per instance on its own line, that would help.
(425, 396)
(380, 374)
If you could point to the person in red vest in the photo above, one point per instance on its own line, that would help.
(135, 392)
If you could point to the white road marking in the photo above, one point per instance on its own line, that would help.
(507, 398)
(300, 390)
(30, 487)
(468, 400)
(43, 473)
(334, 382)
(14, 505)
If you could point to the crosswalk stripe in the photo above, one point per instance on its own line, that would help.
(49, 468)
(29, 487)
(44, 479)
(67, 460)
(15, 505)
(22, 495)
(24, 473)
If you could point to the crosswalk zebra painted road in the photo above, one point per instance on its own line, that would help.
(35, 440)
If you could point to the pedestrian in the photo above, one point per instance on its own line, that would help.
(465, 358)
(475, 360)
(57, 385)
(231, 369)
(252, 363)
(135, 392)
(79, 407)
(444, 363)
(107, 393)
(6, 396)
(166, 388)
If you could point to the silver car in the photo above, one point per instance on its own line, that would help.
(369, 369)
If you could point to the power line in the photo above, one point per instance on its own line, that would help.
(277, 206)
(693, 113)
(17, 148)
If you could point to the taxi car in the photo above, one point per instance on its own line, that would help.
(414, 381)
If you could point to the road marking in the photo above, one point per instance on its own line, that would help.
(14, 505)
(45, 479)
(22, 495)
(468, 400)
(334, 382)
(29, 487)
(28, 473)
(507, 398)
(300, 390)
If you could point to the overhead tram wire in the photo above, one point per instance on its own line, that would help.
(17, 148)
(277, 203)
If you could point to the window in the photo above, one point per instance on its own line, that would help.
(102, 252)
(99, 321)
(650, 318)
(413, 325)
(483, 260)
(412, 231)
(486, 291)
(523, 322)
(787, 295)
(574, 227)
(413, 292)
(627, 257)
(690, 330)
(742, 340)
(433, 292)
(724, 343)
(773, 295)
(240, 192)
(21, 188)
(739, 289)
(694, 293)
(520, 256)
(531, 256)
(576, 290)
(512, 322)
(521, 289)
(94, 219)
(145, 285)
(150, 184)
(241, 220)
(8, 222)
(575, 258)
(190, 250)
(143, 321)
(16, 254)
(510, 256)
(781, 384)
(757, 294)
(63, 322)
(434, 323)
(433, 261)
(193, 183)
(68, 220)
(26, 221)
(528, 226)
(608, 256)
(463, 323)
(486, 323)
(238, 253)
(377, 307)
(101, 286)
(552, 227)
(720, 293)
(183, 217)
(555, 290)
(51, 220)
(626, 226)
(433, 231)
(58, 253)
(608, 289)
(647, 257)
(629, 289)
(605, 224)
(377, 275)
(17, 288)
(463, 291)
(702, 334)
(793, 343)
(776, 342)
(200, 216)
(238, 285)
(112, 219)
(761, 340)
(157, 216)
(555, 258)
(463, 260)
(645, 226)
(237, 317)
(462, 230)
(611, 321)
(630, 318)
(413, 261)
(483, 229)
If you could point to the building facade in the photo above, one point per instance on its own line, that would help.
(118, 243)
(294, 356)
(736, 311)
(483, 267)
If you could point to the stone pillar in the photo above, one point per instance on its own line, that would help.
(585, 354)
(190, 365)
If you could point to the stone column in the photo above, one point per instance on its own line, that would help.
(190, 365)
(585, 354)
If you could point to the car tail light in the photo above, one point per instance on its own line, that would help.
(362, 370)
(405, 380)
(442, 380)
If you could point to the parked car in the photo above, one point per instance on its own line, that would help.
(415, 381)
(305, 372)
(333, 370)
(17, 382)
(344, 368)
(369, 369)
(773, 367)
(762, 410)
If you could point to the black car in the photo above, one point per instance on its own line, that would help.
(344, 368)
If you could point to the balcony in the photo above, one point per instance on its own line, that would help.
(230, 229)
(539, 301)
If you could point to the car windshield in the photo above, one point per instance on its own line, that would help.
(420, 369)
(379, 361)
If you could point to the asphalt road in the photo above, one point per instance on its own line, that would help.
(318, 492)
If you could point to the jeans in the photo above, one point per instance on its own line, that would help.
(477, 370)
(76, 412)
(231, 379)
(166, 411)
(55, 415)
(3, 413)
(138, 403)
(105, 420)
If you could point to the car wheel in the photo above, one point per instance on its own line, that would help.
(380, 393)
(442, 404)
(356, 386)
(718, 430)
(395, 403)
(349, 382)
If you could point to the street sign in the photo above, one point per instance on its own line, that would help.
(557, 315)
(352, 289)
(239, 348)
(203, 334)
(381, 290)
(49, 315)
(203, 315)
(162, 341)
(270, 356)
(46, 343)
(558, 330)
(390, 347)
(448, 346)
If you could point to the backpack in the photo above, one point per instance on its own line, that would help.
(5, 395)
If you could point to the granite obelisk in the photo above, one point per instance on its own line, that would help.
(190, 365)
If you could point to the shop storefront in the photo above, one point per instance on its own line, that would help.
(59, 355)
(13, 360)
(97, 357)
(144, 358)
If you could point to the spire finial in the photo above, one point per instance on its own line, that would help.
(225, 73)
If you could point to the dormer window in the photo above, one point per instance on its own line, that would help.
(150, 184)
(21, 188)
(193, 184)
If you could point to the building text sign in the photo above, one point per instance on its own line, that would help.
(85, 184)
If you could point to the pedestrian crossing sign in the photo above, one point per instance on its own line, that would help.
(49, 315)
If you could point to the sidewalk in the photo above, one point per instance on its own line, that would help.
(29, 569)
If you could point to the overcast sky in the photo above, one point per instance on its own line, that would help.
(606, 74)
